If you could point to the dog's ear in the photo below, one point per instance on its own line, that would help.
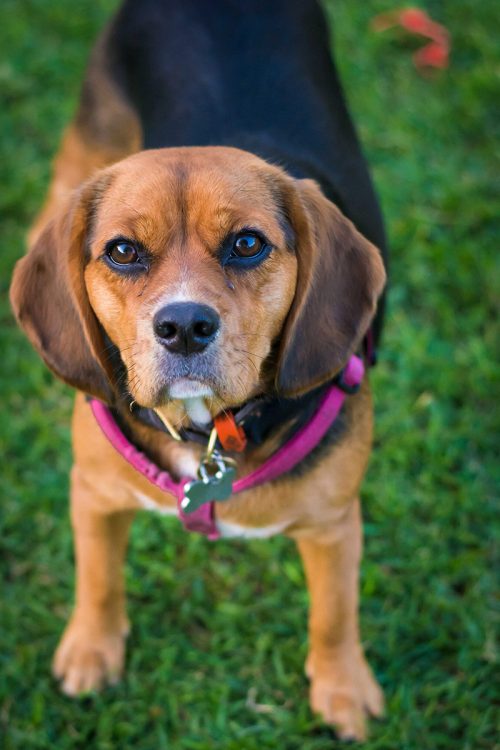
(49, 297)
(340, 277)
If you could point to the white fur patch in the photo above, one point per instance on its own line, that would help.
(181, 294)
(197, 411)
(234, 530)
(184, 388)
(187, 465)
(226, 529)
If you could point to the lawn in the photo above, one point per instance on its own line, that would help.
(219, 628)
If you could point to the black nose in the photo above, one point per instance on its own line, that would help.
(185, 327)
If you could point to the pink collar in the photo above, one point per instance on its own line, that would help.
(286, 458)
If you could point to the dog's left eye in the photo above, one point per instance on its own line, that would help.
(123, 253)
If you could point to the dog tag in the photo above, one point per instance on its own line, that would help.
(216, 477)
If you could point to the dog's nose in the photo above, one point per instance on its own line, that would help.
(186, 327)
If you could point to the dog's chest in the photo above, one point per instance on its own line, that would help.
(227, 529)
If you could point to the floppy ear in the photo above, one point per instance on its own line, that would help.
(49, 298)
(340, 277)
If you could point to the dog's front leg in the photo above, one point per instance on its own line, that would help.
(91, 651)
(343, 689)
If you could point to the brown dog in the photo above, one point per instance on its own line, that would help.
(282, 288)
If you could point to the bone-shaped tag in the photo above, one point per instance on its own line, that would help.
(218, 486)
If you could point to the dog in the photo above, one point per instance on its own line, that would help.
(209, 261)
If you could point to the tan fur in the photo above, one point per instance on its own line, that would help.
(180, 204)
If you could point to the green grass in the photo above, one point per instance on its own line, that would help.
(212, 622)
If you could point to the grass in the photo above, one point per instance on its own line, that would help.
(212, 623)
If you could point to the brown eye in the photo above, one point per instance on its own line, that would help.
(123, 253)
(247, 245)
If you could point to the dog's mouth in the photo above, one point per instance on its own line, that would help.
(172, 382)
(195, 397)
(190, 383)
(182, 377)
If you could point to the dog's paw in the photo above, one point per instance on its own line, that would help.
(344, 693)
(88, 658)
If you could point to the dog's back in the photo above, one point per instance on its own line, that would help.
(255, 74)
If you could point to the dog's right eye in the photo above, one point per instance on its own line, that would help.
(123, 253)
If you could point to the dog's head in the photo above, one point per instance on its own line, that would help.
(213, 273)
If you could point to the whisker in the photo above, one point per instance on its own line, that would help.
(252, 354)
(259, 335)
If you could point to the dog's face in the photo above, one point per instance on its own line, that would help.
(192, 273)
(213, 273)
